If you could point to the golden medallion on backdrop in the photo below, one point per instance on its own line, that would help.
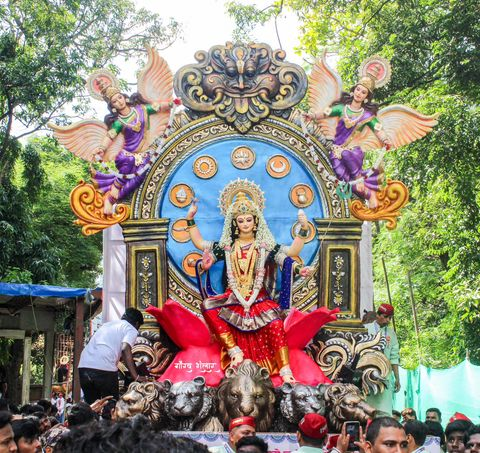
(188, 263)
(278, 166)
(301, 195)
(205, 167)
(181, 195)
(243, 157)
(179, 230)
(311, 231)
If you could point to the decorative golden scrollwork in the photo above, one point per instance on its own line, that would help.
(87, 205)
(342, 354)
(390, 200)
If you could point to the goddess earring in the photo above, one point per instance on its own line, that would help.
(114, 110)
(365, 100)
(236, 230)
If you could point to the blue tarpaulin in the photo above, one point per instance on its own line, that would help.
(20, 289)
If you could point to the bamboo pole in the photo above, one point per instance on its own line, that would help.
(415, 320)
(385, 273)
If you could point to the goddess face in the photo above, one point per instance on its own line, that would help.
(118, 101)
(245, 223)
(360, 93)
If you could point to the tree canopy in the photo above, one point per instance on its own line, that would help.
(434, 49)
(46, 52)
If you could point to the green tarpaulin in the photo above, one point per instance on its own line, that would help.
(452, 390)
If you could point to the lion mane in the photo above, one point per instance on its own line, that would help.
(147, 398)
(346, 402)
(246, 391)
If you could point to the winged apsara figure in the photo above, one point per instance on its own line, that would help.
(355, 124)
(127, 132)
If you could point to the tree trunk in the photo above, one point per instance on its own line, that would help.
(14, 381)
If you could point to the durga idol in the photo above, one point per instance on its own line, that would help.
(245, 319)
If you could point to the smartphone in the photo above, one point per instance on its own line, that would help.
(353, 429)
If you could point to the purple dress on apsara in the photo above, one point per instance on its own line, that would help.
(126, 161)
(349, 166)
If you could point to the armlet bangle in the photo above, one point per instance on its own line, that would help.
(232, 351)
(296, 269)
(190, 222)
(285, 371)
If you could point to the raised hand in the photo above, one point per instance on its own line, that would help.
(306, 271)
(207, 260)
(192, 211)
(302, 219)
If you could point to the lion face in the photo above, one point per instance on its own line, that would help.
(145, 398)
(300, 399)
(185, 399)
(355, 408)
(347, 403)
(247, 391)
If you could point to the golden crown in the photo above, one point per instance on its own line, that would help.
(107, 90)
(368, 83)
(243, 205)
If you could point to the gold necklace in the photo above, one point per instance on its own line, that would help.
(350, 122)
(135, 124)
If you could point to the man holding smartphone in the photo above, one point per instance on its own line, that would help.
(384, 401)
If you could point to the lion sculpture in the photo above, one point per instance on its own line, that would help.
(190, 406)
(294, 401)
(247, 391)
(345, 403)
(147, 398)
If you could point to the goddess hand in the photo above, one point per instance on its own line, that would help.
(302, 219)
(207, 260)
(192, 210)
(306, 271)
(98, 154)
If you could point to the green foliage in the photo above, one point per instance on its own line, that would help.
(247, 17)
(48, 50)
(41, 244)
(434, 49)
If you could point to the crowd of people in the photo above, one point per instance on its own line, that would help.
(33, 428)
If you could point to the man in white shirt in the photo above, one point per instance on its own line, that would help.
(416, 432)
(98, 362)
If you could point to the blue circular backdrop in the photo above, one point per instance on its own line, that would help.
(279, 212)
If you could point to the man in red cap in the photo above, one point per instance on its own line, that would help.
(312, 433)
(384, 401)
(238, 428)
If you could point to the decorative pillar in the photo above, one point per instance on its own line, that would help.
(339, 275)
(147, 265)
